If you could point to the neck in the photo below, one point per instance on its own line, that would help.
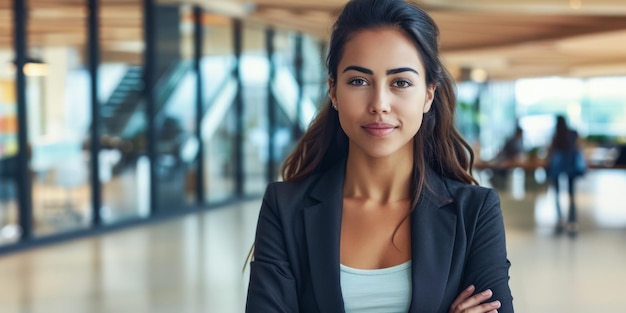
(383, 180)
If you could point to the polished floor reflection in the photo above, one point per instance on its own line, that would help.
(194, 263)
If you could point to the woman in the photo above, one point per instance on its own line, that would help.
(378, 212)
(564, 157)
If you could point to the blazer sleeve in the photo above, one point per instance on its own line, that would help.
(272, 286)
(487, 266)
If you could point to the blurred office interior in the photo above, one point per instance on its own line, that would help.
(137, 137)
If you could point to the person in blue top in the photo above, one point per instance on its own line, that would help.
(565, 158)
(378, 210)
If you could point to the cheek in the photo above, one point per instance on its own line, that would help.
(347, 118)
(415, 123)
(351, 106)
(412, 114)
(413, 104)
(351, 96)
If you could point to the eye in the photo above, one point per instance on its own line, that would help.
(357, 81)
(402, 83)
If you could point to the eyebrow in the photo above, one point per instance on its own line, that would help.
(400, 70)
(358, 69)
(370, 72)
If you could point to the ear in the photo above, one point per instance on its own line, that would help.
(430, 96)
(332, 91)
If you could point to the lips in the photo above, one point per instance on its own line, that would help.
(379, 129)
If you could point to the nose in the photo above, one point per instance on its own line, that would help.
(380, 101)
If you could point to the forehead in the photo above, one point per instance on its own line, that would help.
(381, 48)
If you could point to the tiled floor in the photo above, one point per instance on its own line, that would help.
(194, 263)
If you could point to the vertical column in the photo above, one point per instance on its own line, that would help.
(299, 63)
(239, 164)
(271, 105)
(94, 60)
(23, 177)
(197, 58)
(323, 47)
(148, 95)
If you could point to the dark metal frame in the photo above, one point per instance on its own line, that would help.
(149, 72)
(197, 59)
(271, 105)
(23, 177)
(299, 63)
(239, 109)
(94, 61)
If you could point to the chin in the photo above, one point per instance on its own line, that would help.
(382, 152)
(376, 149)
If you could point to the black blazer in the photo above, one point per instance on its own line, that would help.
(457, 239)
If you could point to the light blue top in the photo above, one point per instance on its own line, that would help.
(385, 290)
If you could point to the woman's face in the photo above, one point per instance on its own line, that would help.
(381, 93)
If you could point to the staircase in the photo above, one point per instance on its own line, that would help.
(123, 102)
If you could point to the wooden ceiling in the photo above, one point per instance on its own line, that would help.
(507, 38)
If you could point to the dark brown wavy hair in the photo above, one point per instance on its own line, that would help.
(437, 144)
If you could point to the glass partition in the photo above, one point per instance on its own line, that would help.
(124, 165)
(604, 108)
(314, 78)
(175, 101)
(255, 74)
(219, 130)
(9, 225)
(57, 94)
(286, 92)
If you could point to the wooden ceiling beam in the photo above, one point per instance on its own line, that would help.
(506, 42)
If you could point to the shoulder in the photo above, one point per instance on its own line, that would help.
(293, 187)
(472, 199)
(458, 189)
(286, 195)
(477, 209)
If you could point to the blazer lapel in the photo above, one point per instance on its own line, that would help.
(433, 231)
(323, 229)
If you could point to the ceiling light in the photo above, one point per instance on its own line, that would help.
(479, 75)
(33, 67)
(575, 4)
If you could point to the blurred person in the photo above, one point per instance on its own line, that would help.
(620, 161)
(512, 154)
(565, 158)
(513, 150)
(378, 211)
